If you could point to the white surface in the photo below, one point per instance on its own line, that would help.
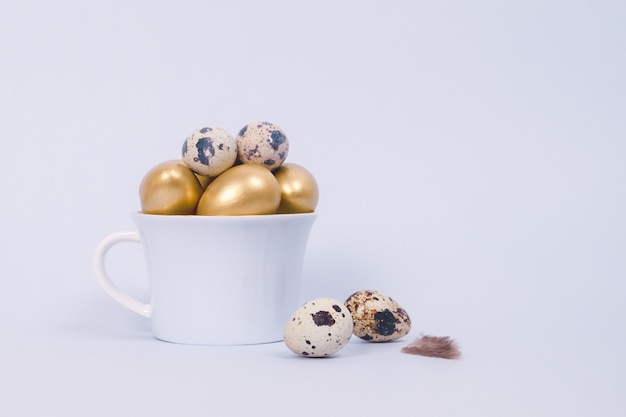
(470, 157)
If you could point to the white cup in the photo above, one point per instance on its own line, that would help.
(216, 280)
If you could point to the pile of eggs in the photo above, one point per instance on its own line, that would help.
(323, 326)
(219, 174)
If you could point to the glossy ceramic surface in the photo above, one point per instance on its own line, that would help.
(216, 280)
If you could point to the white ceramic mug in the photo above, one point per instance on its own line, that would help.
(216, 280)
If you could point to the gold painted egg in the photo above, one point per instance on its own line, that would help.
(299, 190)
(246, 189)
(169, 188)
(204, 180)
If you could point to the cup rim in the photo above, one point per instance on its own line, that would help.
(139, 213)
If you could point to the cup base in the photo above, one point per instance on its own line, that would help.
(213, 343)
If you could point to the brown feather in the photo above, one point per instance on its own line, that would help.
(434, 346)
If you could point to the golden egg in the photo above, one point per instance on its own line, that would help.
(203, 180)
(299, 190)
(245, 189)
(170, 188)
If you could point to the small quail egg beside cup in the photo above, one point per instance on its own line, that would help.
(319, 328)
(377, 317)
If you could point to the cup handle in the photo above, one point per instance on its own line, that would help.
(104, 280)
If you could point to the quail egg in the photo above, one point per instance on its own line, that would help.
(319, 328)
(262, 143)
(209, 151)
(377, 317)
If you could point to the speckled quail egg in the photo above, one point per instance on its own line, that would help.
(319, 328)
(262, 143)
(209, 151)
(377, 317)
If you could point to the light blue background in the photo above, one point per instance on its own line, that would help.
(470, 157)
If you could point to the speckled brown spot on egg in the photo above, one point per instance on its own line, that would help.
(323, 318)
(385, 322)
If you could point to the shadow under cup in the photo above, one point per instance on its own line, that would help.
(216, 280)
